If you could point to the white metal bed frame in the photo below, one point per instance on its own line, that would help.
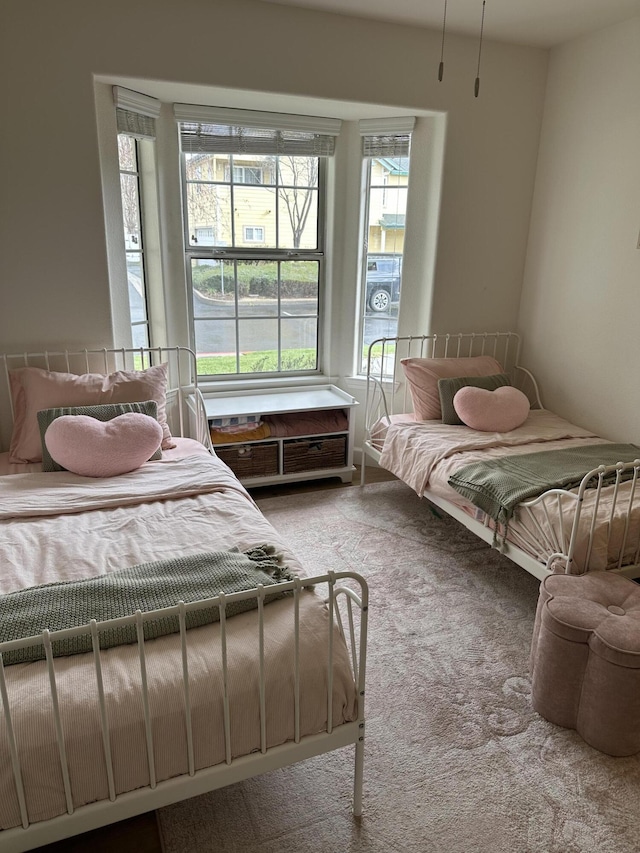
(346, 589)
(387, 394)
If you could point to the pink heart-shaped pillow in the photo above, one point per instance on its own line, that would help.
(93, 448)
(491, 411)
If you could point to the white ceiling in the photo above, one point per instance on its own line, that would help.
(539, 23)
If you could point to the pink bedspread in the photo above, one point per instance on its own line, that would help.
(424, 454)
(186, 506)
(413, 450)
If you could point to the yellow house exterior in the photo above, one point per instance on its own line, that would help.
(251, 212)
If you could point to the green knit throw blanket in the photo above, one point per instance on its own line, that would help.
(498, 485)
(145, 587)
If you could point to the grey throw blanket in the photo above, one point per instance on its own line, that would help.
(498, 485)
(145, 587)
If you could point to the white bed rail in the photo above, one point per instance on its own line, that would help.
(157, 793)
(567, 528)
(186, 413)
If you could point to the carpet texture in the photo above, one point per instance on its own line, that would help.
(456, 760)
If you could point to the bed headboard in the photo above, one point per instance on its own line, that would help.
(185, 406)
(387, 389)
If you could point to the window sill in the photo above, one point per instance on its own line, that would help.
(209, 387)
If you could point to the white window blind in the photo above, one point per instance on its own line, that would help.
(229, 131)
(136, 114)
(386, 137)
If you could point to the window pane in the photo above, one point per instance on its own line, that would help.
(383, 286)
(130, 210)
(135, 278)
(299, 286)
(127, 153)
(209, 214)
(206, 167)
(298, 211)
(258, 344)
(257, 288)
(216, 346)
(299, 343)
(213, 283)
(140, 335)
(387, 214)
(298, 171)
(255, 216)
(298, 202)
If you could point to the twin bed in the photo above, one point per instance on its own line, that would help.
(90, 738)
(584, 522)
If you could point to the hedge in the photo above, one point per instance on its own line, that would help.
(253, 282)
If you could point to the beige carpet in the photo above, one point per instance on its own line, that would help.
(456, 760)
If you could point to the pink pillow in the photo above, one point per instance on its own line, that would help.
(423, 374)
(93, 448)
(34, 389)
(491, 411)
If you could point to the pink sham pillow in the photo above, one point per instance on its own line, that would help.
(491, 411)
(423, 374)
(93, 448)
(34, 389)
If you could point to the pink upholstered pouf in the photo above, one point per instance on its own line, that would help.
(585, 658)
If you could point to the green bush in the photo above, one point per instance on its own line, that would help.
(252, 281)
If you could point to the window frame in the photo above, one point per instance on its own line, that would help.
(230, 253)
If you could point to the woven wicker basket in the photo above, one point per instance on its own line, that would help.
(251, 460)
(309, 454)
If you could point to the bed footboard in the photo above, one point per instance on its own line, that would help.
(595, 527)
(339, 666)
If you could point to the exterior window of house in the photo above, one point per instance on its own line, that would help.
(256, 289)
(253, 234)
(247, 175)
(135, 118)
(386, 149)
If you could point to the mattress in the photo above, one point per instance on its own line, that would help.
(182, 505)
(424, 454)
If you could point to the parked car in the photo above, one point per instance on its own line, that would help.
(384, 273)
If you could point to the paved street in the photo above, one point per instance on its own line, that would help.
(216, 328)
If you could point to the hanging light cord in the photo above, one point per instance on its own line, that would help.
(444, 25)
(477, 84)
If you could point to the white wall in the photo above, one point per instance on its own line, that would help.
(54, 279)
(580, 310)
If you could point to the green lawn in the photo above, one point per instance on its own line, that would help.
(266, 361)
(257, 362)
